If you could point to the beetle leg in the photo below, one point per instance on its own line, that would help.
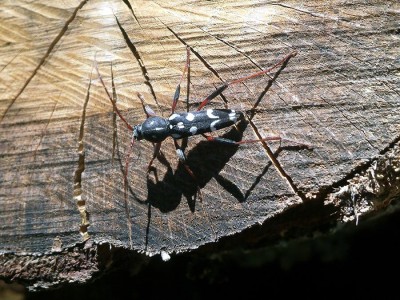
(147, 109)
(182, 160)
(232, 142)
(270, 138)
(220, 89)
(178, 88)
(109, 96)
(127, 159)
(156, 151)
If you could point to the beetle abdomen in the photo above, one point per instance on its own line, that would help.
(198, 122)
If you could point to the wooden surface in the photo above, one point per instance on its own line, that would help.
(63, 151)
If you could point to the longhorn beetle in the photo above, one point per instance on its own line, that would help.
(156, 129)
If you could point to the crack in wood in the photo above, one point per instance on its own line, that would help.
(318, 15)
(9, 62)
(43, 133)
(324, 192)
(351, 122)
(231, 45)
(376, 186)
(205, 63)
(237, 50)
(139, 60)
(47, 54)
(132, 11)
(113, 100)
(80, 201)
(390, 146)
(114, 119)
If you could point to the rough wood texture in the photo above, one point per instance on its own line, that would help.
(63, 150)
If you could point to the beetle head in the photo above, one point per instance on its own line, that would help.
(137, 132)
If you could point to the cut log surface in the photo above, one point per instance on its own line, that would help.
(63, 150)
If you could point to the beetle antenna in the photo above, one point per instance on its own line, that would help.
(127, 212)
(109, 97)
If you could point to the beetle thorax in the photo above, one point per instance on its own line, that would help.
(154, 129)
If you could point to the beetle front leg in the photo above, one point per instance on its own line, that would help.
(147, 109)
(156, 151)
(182, 160)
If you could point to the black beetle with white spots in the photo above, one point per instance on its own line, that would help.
(156, 129)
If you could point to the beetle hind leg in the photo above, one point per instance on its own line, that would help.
(232, 142)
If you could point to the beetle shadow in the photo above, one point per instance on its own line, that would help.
(206, 159)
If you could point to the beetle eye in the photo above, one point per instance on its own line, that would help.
(137, 132)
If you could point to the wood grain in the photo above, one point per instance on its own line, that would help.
(63, 151)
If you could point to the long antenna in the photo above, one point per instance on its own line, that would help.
(109, 97)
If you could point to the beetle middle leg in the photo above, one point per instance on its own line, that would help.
(180, 149)
(182, 160)
(178, 88)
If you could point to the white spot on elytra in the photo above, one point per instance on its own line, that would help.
(173, 116)
(232, 116)
(212, 125)
(210, 114)
(190, 117)
(193, 130)
(180, 125)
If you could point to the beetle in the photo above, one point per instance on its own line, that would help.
(181, 125)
